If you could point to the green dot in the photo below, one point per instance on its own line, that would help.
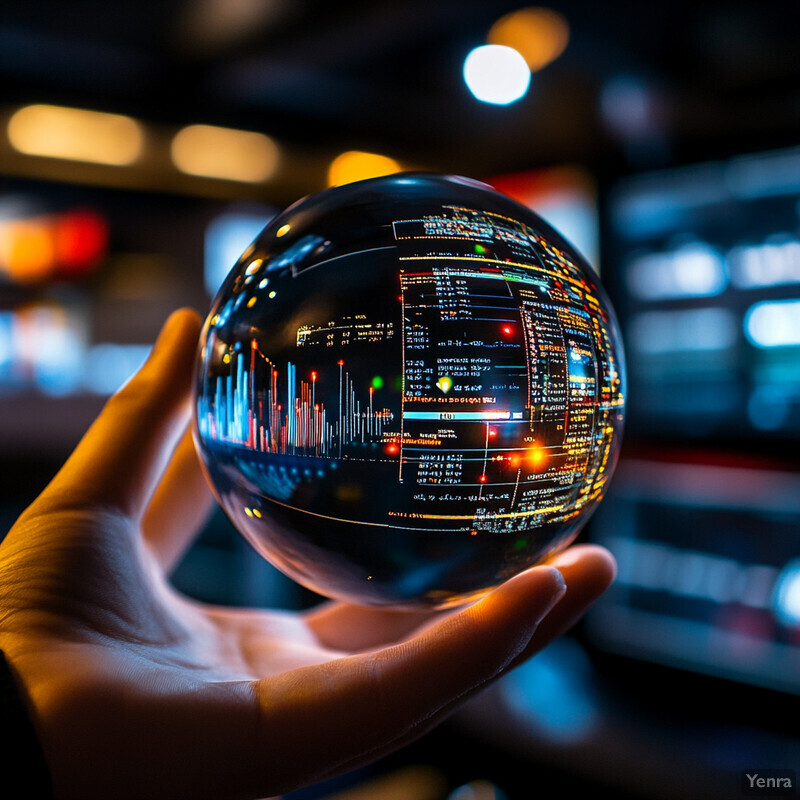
(377, 382)
(480, 249)
(520, 543)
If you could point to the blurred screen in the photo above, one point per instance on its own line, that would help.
(707, 260)
(709, 570)
(87, 276)
(704, 512)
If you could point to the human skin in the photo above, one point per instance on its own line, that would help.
(138, 691)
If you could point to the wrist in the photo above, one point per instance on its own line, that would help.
(21, 755)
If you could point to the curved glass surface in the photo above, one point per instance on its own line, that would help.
(409, 389)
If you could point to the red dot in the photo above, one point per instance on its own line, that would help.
(482, 479)
(81, 240)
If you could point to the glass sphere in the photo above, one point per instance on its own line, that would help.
(410, 389)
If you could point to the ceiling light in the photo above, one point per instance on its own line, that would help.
(496, 74)
(539, 35)
(212, 152)
(355, 165)
(76, 134)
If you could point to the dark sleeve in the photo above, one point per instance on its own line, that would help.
(21, 757)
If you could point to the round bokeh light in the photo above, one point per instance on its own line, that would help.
(496, 74)
(410, 389)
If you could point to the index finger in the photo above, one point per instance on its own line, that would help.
(120, 459)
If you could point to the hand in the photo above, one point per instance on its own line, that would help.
(137, 691)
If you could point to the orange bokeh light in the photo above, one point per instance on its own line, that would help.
(539, 35)
(536, 457)
(533, 458)
(41, 248)
(27, 250)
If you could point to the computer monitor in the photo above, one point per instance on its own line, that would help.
(706, 261)
(704, 509)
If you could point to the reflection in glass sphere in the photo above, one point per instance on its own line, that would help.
(410, 389)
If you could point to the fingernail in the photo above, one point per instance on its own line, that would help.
(558, 577)
(559, 590)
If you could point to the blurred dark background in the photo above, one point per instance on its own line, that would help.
(662, 138)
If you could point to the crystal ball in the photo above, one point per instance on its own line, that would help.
(409, 389)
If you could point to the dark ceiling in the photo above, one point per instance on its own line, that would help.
(714, 77)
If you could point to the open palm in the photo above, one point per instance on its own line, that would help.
(137, 691)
